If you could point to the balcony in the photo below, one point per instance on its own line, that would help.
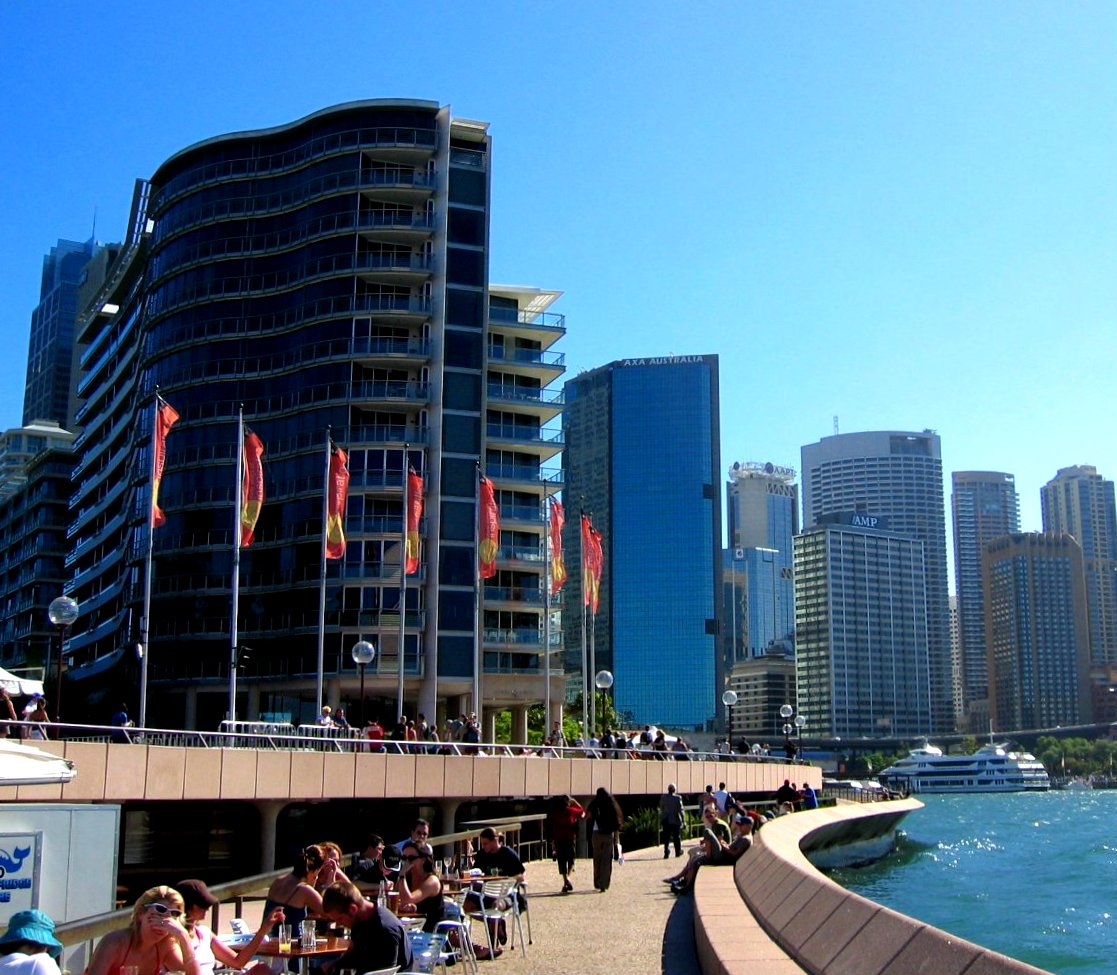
(523, 476)
(542, 366)
(413, 351)
(393, 391)
(397, 309)
(403, 226)
(545, 443)
(545, 404)
(544, 327)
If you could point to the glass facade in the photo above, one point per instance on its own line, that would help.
(657, 443)
(329, 279)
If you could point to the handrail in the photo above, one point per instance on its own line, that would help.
(350, 740)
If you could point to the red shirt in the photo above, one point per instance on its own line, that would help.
(564, 822)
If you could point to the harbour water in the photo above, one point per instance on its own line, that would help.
(1030, 875)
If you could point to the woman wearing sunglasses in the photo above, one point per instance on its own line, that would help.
(156, 941)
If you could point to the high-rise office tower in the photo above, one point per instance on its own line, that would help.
(642, 458)
(1079, 501)
(327, 275)
(1036, 631)
(985, 506)
(896, 476)
(49, 393)
(763, 517)
(862, 664)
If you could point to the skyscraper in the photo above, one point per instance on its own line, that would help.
(328, 275)
(985, 506)
(896, 476)
(642, 457)
(862, 666)
(1036, 631)
(1079, 501)
(51, 378)
(763, 517)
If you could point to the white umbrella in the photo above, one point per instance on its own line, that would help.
(19, 685)
(24, 765)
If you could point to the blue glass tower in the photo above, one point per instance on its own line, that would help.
(641, 458)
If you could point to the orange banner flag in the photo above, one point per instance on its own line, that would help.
(166, 416)
(488, 542)
(337, 488)
(252, 487)
(558, 566)
(414, 516)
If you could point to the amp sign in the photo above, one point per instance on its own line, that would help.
(866, 521)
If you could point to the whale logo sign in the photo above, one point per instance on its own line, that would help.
(11, 862)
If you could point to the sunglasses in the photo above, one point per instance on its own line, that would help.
(162, 910)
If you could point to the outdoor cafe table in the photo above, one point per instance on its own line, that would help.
(323, 948)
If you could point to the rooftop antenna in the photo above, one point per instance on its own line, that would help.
(835, 424)
(93, 235)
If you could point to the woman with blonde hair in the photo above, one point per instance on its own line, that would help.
(154, 942)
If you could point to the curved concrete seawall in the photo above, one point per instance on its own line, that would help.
(813, 924)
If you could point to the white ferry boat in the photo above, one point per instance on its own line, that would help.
(992, 768)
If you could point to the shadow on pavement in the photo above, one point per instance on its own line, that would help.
(680, 953)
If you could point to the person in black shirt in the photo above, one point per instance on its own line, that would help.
(377, 938)
(370, 871)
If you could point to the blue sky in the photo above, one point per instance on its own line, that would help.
(902, 215)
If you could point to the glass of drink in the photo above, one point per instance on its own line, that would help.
(285, 937)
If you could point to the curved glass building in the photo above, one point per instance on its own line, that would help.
(328, 278)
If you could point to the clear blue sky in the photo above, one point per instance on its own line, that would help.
(900, 214)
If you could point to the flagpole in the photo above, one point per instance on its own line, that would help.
(319, 674)
(403, 587)
(144, 642)
(585, 658)
(546, 617)
(237, 502)
(478, 604)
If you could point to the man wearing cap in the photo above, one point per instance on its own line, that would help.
(28, 945)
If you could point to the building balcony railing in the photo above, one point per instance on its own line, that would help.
(530, 357)
(539, 319)
(526, 394)
(390, 390)
(524, 435)
(514, 594)
(528, 637)
(524, 473)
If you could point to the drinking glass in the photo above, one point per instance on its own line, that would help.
(129, 970)
(284, 937)
(306, 934)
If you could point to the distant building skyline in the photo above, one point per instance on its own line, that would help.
(896, 475)
(1036, 631)
(984, 505)
(642, 457)
(862, 661)
(50, 389)
(1080, 501)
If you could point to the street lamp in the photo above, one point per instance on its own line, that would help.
(786, 711)
(603, 681)
(800, 721)
(363, 654)
(729, 698)
(61, 612)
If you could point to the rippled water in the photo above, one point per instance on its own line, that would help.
(1030, 875)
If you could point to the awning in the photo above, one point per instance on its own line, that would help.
(19, 685)
(23, 765)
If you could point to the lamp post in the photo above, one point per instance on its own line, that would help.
(61, 612)
(729, 698)
(363, 654)
(603, 681)
(800, 721)
(786, 711)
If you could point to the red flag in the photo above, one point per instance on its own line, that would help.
(166, 416)
(252, 486)
(337, 494)
(414, 514)
(593, 562)
(488, 542)
(558, 567)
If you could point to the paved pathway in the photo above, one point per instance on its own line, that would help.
(637, 927)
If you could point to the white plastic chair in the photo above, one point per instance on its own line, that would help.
(463, 951)
(383, 971)
(497, 893)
